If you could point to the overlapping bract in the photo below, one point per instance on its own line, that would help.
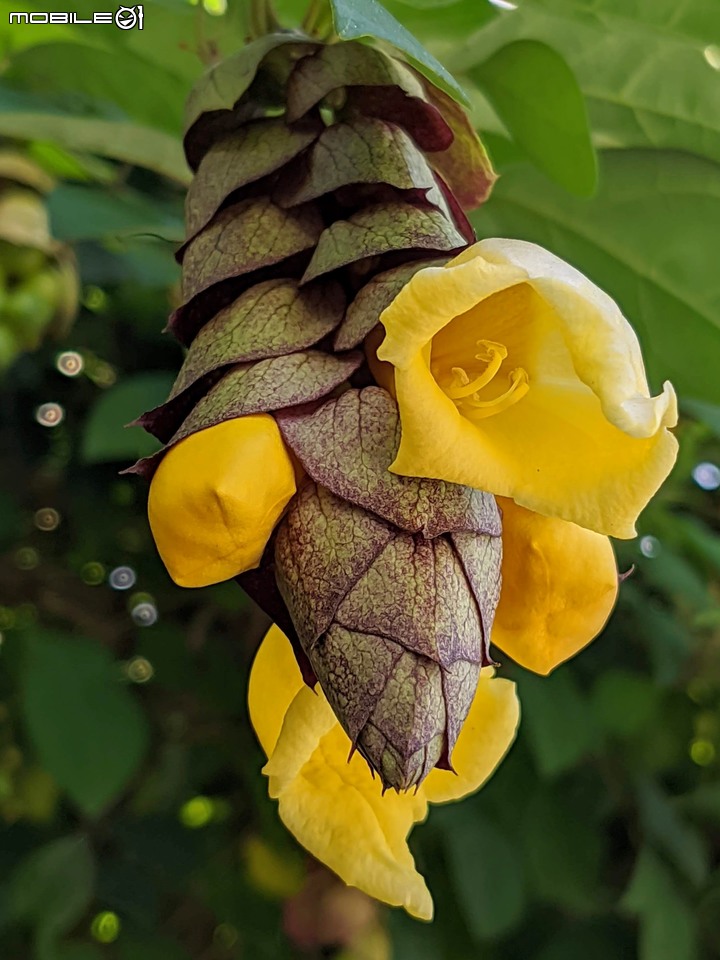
(391, 584)
(325, 177)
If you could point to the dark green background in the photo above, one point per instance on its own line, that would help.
(599, 838)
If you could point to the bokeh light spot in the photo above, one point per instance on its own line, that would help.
(49, 414)
(144, 614)
(707, 476)
(197, 813)
(712, 56)
(47, 519)
(93, 573)
(649, 547)
(702, 752)
(70, 363)
(225, 936)
(122, 578)
(105, 927)
(139, 670)
(27, 558)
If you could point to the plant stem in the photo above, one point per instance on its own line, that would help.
(318, 20)
(261, 18)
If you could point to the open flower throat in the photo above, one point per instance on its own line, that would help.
(466, 392)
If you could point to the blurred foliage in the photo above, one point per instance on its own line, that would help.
(135, 823)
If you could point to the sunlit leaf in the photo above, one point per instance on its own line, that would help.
(368, 18)
(537, 96)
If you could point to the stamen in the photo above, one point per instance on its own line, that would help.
(519, 386)
(493, 354)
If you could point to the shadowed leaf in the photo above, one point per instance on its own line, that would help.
(248, 388)
(347, 446)
(241, 158)
(344, 65)
(364, 312)
(224, 84)
(269, 320)
(368, 18)
(363, 151)
(249, 235)
(465, 165)
(381, 228)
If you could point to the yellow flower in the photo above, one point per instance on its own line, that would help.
(333, 805)
(515, 374)
(559, 586)
(216, 497)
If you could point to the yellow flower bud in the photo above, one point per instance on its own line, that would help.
(216, 497)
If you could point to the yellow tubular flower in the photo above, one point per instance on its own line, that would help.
(216, 497)
(515, 374)
(559, 586)
(333, 805)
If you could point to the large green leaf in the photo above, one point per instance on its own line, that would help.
(697, 18)
(667, 929)
(640, 65)
(81, 212)
(105, 437)
(86, 727)
(368, 18)
(129, 142)
(487, 872)
(557, 724)
(51, 890)
(649, 238)
(537, 97)
(563, 848)
(115, 76)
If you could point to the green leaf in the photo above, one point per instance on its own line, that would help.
(128, 142)
(367, 18)
(114, 76)
(625, 703)
(105, 436)
(537, 97)
(488, 875)
(382, 228)
(667, 929)
(631, 239)
(556, 721)
(79, 951)
(563, 850)
(591, 940)
(51, 891)
(86, 727)
(640, 65)
(708, 413)
(666, 828)
(83, 212)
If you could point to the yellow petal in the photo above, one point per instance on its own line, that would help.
(337, 811)
(559, 586)
(216, 497)
(586, 443)
(333, 807)
(275, 678)
(485, 738)
(603, 346)
(433, 297)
